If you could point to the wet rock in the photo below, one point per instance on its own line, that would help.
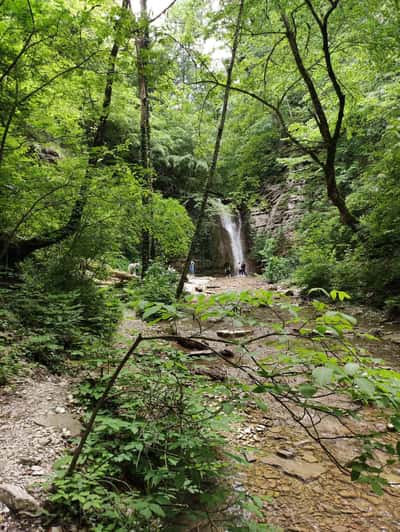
(17, 499)
(296, 468)
(234, 333)
(59, 410)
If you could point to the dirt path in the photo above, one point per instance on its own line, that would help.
(36, 422)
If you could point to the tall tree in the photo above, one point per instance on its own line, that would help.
(14, 249)
(217, 147)
(142, 51)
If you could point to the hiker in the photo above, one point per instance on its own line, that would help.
(192, 267)
(242, 269)
(227, 269)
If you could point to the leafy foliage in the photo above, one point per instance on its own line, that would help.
(154, 450)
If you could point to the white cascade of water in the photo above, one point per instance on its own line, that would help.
(233, 226)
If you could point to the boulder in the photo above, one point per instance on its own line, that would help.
(17, 499)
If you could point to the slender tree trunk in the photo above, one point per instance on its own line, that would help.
(142, 49)
(89, 427)
(217, 146)
(13, 250)
(330, 134)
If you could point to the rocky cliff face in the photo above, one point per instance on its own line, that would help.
(279, 209)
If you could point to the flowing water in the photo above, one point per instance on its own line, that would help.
(232, 224)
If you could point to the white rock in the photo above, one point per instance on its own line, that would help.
(37, 471)
(59, 410)
(17, 499)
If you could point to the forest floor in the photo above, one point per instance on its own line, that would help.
(304, 490)
(37, 418)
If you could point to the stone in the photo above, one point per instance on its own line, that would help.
(250, 457)
(309, 457)
(29, 460)
(295, 468)
(59, 410)
(234, 333)
(189, 343)
(17, 499)
(37, 471)
(276, 430)
(285, 453)
(392, 337)
(208, 353)
(60, 421)
(227, 353)
(347, 494)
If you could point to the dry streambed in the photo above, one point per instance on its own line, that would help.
(303, 489)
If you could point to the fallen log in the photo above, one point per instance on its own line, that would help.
(235, 333)
(191, 344)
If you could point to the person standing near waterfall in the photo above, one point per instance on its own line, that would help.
(192, 267)
(227, 269)
(242, 269)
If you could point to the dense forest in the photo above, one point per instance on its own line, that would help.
(146, 146)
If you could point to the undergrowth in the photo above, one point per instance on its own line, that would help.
(154, 458)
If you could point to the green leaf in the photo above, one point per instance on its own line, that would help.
(351, 368)
(307, 390)
(365, 386)
(323, 375)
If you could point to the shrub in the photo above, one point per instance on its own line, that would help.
(154, 449)
(316, 266)
(53, 321)
(275, 267)
(158, 286)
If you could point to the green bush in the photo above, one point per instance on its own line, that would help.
(153, 451)
(50, 320)
(315, 268)
(275, 266)
(158, 286)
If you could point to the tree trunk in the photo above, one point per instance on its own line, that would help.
(217, 146)
(330, 135)
(142, 48)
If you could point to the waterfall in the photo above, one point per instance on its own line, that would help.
(233, 226)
